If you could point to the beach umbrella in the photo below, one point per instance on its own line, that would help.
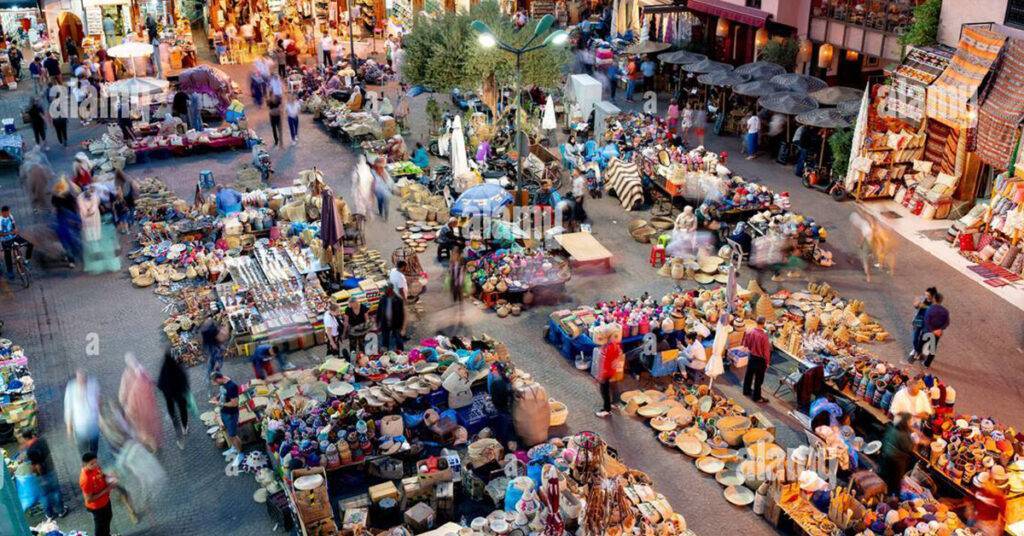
(681, 57)
(799, 82)
(131, 49)
(832, 96)
(459, 161)
(788, 102)
(707, 66)
(756, 88)
(138, 86)
(858, 136)
(829, 118)
(483, 199)
(722, 79)
(646, 47)
(761, 69)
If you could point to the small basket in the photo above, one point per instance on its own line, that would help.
(559, 412)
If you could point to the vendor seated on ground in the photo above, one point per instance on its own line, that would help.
(913, 399)
(694, 355)
(448, 237)
(229, 200)
(421, 158)
(827, 406)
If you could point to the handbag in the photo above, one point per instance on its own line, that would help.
(391, 425)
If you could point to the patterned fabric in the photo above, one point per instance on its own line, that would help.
(623, 179)
(949, 94)
(941, 147)
(1003, 109)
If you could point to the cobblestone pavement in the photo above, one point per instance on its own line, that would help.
(53, 318)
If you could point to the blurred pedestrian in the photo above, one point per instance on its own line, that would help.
(633, 78)
(921, 304)
(214, 335)
(357, 325)
(227, 401)
(37, 119)
(37, 452)
(753, 130)
(138, 398)
(124, 201)
(865, 227)
(274, 110)
(82, 410)
(936, 320)
(382, 186)
(173, 383)
(611, 370)
(292, 111)
(331, 329)
(391, 320)
(68, 223)
(96, 487)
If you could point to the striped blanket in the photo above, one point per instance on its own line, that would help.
(622, 179)
(1003, 108)
(949, 94)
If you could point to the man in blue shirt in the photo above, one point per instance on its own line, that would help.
(260, 360)
(229, 200)
(9, 239)
(647, 68)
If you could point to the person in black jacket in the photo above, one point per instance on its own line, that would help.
(391, 320)
(173, 383)
(37, 118)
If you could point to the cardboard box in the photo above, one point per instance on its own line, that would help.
(381, 491)
(311, 505)
(355, 519)
(420, 518)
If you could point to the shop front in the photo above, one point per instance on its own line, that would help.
(736, 28)
(20, 18)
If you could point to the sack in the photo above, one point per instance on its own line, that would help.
(531, 412)
(391, 425)
(868, 485)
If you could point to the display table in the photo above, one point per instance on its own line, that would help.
(584, 249)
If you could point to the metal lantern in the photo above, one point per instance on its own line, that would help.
(761, 37)
(722, 29)
(852, 55)
(806, 49)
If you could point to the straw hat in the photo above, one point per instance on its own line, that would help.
(739, 495)
(663, 424)
(721, 278)
(703, 279)
(710, 263)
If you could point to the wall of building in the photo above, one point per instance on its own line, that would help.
(795, 13)
(958, 12)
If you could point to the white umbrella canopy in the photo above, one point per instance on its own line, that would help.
(549, 122)
(138, 86)
(459, 161)
(131, 49)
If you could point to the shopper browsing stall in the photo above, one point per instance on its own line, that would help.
(756, 340)
(227, 401)
(357, 325)
(913, 399)
(96, 487)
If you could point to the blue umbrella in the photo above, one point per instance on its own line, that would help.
(482, 199)
(417, 90)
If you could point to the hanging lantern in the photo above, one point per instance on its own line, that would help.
(722, 29)
(851, 55)
(806, 49)
(761, 37)
(825, 53)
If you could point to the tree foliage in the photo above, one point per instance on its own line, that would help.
(781, 51)
(925, 29)
(443, 53)
(840, 143)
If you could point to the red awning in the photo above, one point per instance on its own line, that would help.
(721, 8)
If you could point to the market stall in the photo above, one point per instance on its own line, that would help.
(18, 412)
(510, 280)
(418, 442)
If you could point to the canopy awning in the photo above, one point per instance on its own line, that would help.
(721, 8)
(21, 5)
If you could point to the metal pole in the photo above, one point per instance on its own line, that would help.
(351, 37)
(515, 139)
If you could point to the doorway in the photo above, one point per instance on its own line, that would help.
(113, 25)
(69, 26)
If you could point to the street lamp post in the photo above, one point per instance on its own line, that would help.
(351, 38)
(487, 39)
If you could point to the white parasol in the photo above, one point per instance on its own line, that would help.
(144, 86)
(131, 50)
(460, 163)
(549, 122)
(715, 366)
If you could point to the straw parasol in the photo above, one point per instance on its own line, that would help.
(707, 66)
(788, 102)
(849, 108)
(829, 118)
(722, 79)
(761, 69)
(681, 57)
(799, 82)
(646, 47)
(757, 88)
(831, 96)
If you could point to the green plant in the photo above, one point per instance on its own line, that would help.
(433, 112)
(840, 143)
(781, 51)
(925, 28)
(443, 53)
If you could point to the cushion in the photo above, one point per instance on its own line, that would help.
(1011, 256)
(987, 252)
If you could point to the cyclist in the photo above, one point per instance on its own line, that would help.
(10, 239)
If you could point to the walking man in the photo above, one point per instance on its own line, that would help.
(37, 452)
(391, 320)
(96, 487)
(936, 320)
(274, 109)
(292, 111)
(753, 131)
(173, 383)
(760, 347)
(81, 412)
(612, 366)
(920, 307)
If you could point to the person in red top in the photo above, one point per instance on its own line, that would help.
(611, 366)
(83, 171)
(760, 347)
(96, 488)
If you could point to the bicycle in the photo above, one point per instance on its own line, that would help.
(20, 266)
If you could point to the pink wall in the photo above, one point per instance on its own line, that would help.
(793, 13)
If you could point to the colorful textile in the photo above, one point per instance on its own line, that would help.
(949, 94)
(1003, 109)
(623, 179)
